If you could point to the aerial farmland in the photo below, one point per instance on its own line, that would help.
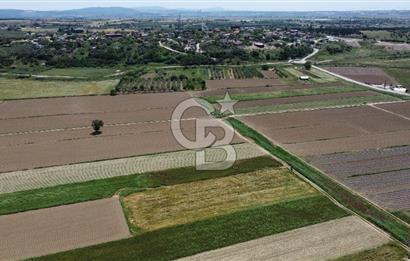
(203, 139)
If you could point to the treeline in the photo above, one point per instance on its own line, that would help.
(295, 51)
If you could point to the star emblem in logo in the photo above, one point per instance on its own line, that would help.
(227, 104)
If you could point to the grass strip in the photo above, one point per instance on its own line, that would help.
(287, 93)
(352, 201)
(189, 239)
(390, 252)
(404, 215)
(353, 101)
(97, 189)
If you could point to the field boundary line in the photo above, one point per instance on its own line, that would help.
(309, 109)
(88, 127)
(320, 190)
(390, 112)
(348, 190)
(361, 83)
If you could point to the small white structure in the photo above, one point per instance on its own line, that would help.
(304, 78)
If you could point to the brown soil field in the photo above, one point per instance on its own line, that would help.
(51, 230)
(244, 83)
(307, 98)
(364, 74)
(322, 241)
(382, 175)
(402, 108)
(185, 203)
(333, 130)
(46, 149)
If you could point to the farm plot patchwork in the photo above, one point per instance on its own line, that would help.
(322, 241)
(382, 175)
(244, 83)
(186, 203)
(365, 75)
(333, 130)
(58, 128)
(46, 231)
(224, 73)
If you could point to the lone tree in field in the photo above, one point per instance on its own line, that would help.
(308, 65)
(97, 125)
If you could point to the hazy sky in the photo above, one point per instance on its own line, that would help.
(265, 5)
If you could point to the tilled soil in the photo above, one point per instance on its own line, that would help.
(402, 108)
(51, 230)
(244, 83)
(364, 74)
(46, 149)
(323, 241)
(307, 98)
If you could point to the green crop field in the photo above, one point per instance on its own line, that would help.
(92, 190)
(28, 88)
(188, 239)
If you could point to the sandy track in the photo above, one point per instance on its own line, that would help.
(323, 241)
(46, 231)
(53, 176)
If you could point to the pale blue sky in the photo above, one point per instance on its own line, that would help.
(261, 5)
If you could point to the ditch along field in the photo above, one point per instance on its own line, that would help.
(46, 231)
(51, 132)
(180, 217)
(30, 88)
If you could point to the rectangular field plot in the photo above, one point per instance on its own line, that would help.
(49, 132)
(75, 173)
(322, 241)
(364, 74)
(333, 130)
(185, 203)
(46, 231)
(383, 175)
(244, 83)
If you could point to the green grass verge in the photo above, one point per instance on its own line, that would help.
(287, 93)
(352, 201)
(189, 239)
(388, 252)
(92, 190)
(404, 215)
(353, 101)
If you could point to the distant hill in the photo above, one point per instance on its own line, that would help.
(155, 12)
